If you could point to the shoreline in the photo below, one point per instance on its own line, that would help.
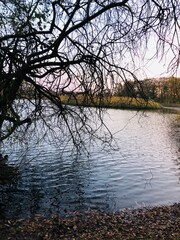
(177, 109)
(161, 222)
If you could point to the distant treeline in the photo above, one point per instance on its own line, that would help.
(163, 90)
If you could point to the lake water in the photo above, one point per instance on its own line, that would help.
(144, 170)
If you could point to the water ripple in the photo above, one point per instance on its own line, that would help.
(145, 171)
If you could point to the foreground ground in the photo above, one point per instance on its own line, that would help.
(155, 223)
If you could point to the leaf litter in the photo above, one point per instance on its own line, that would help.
(161, 222)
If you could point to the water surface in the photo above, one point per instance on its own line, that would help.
(143, 171)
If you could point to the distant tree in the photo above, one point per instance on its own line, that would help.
(164, 91)
(55, 46)
(170, 90)
(129, 89)
(118, 88)
(149, 88)
(174, 90)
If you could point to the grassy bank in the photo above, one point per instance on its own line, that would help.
(110, 102)
(154, 223)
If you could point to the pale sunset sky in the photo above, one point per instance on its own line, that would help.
(157, 67)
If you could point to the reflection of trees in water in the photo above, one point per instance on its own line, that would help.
(19, 203)
(75, 181)
(31, 195)
(175, 127)
(8, 173)
(175, 137)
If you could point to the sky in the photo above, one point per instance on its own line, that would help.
(158, 67)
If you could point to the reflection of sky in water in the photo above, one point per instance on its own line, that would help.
(145, 170)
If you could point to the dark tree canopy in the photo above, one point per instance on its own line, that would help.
(48, 48)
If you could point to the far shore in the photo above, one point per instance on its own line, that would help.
(110, 102)
(172, 107)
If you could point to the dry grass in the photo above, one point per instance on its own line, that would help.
(110, 102)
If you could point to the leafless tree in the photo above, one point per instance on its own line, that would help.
(48, 48)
